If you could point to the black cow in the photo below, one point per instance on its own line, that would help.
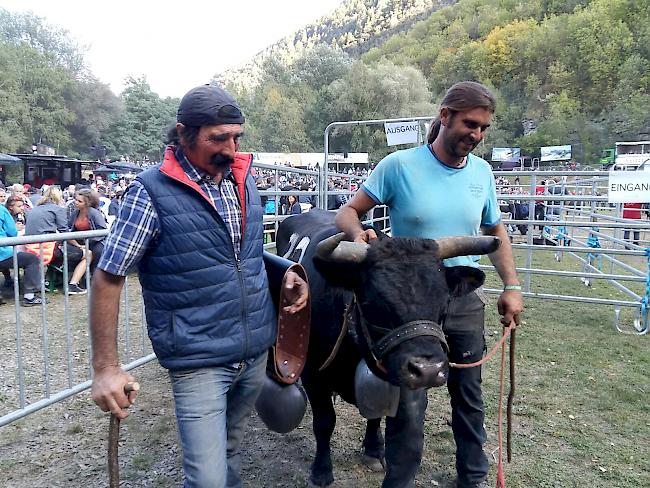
(396, 281)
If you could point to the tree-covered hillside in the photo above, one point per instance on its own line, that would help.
(565, 71)
(292, 105)
(354, 27)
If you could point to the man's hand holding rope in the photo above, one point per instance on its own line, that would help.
(510, 306)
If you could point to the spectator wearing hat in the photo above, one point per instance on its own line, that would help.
(193, 226)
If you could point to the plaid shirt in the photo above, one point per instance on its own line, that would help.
(137, 224)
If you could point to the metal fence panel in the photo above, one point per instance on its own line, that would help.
(46, 353)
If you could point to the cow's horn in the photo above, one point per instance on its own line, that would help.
(335, 248)
(450, 247)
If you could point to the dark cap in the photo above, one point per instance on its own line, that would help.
(208, 105)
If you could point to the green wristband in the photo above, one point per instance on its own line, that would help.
(512, 288)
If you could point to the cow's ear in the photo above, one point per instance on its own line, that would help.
(463, 279)
(339, 274)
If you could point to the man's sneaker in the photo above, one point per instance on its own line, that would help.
(30, 302)
(74, 289)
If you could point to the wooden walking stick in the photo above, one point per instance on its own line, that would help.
(113, 439)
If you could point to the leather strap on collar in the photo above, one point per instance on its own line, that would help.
(408, 331)
(339, 339)
(391, 339)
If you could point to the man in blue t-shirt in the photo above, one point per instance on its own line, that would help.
(439, 190)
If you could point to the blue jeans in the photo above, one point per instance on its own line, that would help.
(212, 409)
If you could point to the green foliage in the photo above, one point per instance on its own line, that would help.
(576, 71)
(564, 72)
(95, 108)
(279, 122)
(34, 108)
(14, 115)
(320, 66)
(375, 92)
(27, 29)
(139, 129)
(47, 95)
(293, 104)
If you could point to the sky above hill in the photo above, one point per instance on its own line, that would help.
(176, 45)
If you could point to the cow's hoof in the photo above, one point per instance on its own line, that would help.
(372, 463)
(321, 479)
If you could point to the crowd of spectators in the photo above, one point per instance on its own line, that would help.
(91, 204)
(340, 188)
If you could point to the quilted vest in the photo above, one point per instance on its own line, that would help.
(203, 306)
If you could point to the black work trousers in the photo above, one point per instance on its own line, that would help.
(30, 263)
(636, 233)
(540, 214)
(464, 328)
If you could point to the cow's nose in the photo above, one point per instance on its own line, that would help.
(425, 373)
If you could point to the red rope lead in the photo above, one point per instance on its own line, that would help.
(488, 356)
(501, 480)
(511, 396)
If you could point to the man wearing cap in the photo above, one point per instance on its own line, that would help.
(193, 226)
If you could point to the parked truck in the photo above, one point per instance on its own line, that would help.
(628, 156)
(607, 158)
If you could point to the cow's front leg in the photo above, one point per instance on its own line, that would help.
(324, 420)
(373, 446)
(405, 439)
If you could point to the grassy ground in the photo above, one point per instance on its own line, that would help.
(582, 411)
(581, 416)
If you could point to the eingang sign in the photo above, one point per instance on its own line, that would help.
(628, 187)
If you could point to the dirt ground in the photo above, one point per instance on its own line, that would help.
(65, 444)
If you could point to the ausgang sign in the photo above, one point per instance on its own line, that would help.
(402, 133)
(628, 187)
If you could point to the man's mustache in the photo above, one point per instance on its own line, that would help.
(221, 160)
